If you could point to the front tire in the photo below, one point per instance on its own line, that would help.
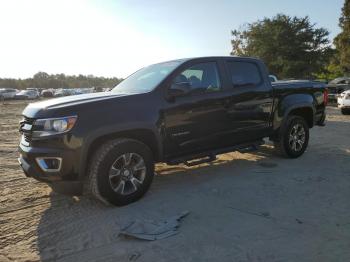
(121, 172)
(293, 137)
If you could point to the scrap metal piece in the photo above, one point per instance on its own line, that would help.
(153, 230)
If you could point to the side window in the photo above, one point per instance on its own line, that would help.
(203, 77)
(244, 73)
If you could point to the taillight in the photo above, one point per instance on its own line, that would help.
(325, 97)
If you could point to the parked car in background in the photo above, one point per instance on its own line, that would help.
(273, 78)
(77, 92)
(7, 93)
(97, 89)
(27, 94)
(86, 90)
(33, 88)
(344, 102)
(47, 93)
(63, 92)
(336, 87)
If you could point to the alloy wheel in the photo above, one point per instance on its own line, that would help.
(297, 137)
(127, 173)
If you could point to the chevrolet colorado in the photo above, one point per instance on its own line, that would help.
(181, 111)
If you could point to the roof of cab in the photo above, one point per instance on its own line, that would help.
(211, 57)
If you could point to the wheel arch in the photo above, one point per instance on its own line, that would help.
(146, 136)
(296, 104)
(305, 112)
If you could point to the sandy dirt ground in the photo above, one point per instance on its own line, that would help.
(243, 207)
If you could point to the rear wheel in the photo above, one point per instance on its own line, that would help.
(293, 138)
(121, 172)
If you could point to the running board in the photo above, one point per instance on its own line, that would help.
(209, 156)
(200, 161)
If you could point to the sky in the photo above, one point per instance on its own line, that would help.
(115, 38)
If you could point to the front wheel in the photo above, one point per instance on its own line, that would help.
(121, 172)
(293, 138)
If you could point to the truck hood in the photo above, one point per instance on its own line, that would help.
(63, 102)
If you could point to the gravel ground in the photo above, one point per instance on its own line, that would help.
(243, 207)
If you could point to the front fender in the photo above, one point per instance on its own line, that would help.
(113, 129)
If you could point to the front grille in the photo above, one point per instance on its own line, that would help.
(25, 128)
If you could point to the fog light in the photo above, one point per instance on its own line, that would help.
(49, 164)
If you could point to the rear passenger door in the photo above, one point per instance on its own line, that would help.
(249, 104)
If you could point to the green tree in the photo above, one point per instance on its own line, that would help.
(342, 41)
(44, 81)
(332, 69)
(291, 47)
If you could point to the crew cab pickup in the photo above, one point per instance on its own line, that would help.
(182, 111)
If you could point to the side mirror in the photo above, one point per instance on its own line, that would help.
(179, 89)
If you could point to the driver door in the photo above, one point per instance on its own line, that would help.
(193, 121)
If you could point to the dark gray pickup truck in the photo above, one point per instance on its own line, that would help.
(182, 111)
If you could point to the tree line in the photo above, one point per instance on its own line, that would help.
(43, 80)
(293, 47)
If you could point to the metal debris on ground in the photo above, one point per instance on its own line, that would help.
(153, 230)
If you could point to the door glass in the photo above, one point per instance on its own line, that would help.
(244, 74)
(203, 77)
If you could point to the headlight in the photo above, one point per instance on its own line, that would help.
(53, 126)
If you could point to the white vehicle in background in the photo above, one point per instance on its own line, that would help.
(7, 93)
(344, 102)
(66, 92)
(27, 94)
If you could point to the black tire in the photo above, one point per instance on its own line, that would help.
(99, 183)
(285, 145)
(345, 111)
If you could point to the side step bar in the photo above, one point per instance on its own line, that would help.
(209, 156)
(207, 159)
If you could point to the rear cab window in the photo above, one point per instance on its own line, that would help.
(243, 73)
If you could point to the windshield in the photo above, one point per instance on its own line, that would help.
(146, 79)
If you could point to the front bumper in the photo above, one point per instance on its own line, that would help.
(64, 181)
